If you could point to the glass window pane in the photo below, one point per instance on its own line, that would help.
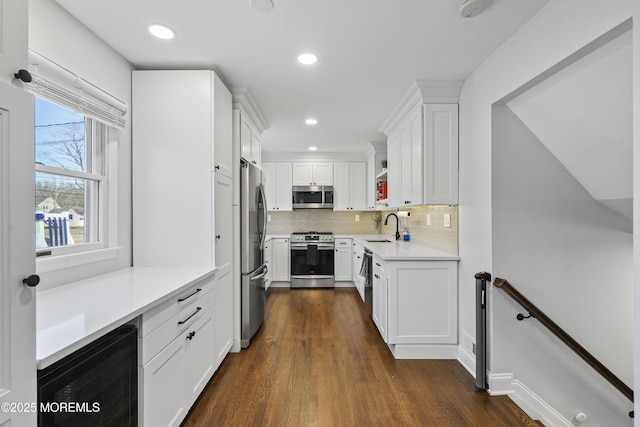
(63, 216)
(60, 137)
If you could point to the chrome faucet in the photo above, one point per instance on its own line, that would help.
(397, 224)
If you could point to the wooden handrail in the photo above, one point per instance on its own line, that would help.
(564, 337)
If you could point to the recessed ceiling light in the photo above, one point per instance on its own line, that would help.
(162, 32)
(264, 6)
(313, 148)
(311, 122)
(307, 58)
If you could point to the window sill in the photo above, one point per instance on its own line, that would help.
(61, 262)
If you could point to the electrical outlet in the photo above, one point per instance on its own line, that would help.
(473, 348)
(268, 218)
(428, 219)
(357, 218)
(447, 220)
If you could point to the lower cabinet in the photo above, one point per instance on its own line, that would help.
(356, 256)
(342, 260)
(182, 343)
(415, 307)
(281, 260)
(268, 259)
(379, 309)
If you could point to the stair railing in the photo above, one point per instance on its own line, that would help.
(552, 326)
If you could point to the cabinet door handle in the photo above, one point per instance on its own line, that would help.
(190, 295)
(182, 322)
(217, 167)
(218, 236)
(378, 264)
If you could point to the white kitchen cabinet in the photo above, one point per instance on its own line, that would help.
(342, 260)
(268, 260)
(312, 173)
(357, 256)
(250, 147)
(174, 126)
(423, 303)
(379, 309)
(223, 316)
(281, 260)
(350, 186)
(277, 185)
(441, 154)
(222, 129)
(411, 161)
(422, 146)
(177, 353)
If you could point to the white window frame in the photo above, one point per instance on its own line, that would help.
(58, 85)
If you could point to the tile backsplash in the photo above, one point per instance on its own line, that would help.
(434, 235)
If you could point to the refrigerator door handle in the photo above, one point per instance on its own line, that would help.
(265, 270)
(263, 232)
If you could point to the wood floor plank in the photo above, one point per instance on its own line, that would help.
(318, 360)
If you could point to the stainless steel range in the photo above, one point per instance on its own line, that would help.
(312, 259)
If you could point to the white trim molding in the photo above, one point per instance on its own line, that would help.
(526, 399)
(242, 97)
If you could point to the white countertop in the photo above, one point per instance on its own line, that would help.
(400, 250)
(394, 250)
(71, 316)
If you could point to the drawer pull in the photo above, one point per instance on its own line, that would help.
(190, 295)
(182, 322)
(378, 264)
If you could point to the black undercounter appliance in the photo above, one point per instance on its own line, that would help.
(312, 259)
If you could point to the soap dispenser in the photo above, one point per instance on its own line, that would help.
(405, 235)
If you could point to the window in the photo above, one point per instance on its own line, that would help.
(70, 179)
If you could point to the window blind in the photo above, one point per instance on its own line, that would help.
(57, 84)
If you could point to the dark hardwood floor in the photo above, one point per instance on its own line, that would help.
(318, 360)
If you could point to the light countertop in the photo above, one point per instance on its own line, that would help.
(394, 250)
(71, 316)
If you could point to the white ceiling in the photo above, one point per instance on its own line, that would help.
(370, 52)
(584, 116)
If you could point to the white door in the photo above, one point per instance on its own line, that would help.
(17, 257)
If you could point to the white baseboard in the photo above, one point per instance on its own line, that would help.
(423, 351)
(527, 400)
(468, 360)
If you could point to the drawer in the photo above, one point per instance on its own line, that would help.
(342, 243)
(380, 267)
(159, 314)
(160, 337)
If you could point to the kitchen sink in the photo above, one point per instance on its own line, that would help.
(379, 241)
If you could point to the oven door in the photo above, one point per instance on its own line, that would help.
(312, 265)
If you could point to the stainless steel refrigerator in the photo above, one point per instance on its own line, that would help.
(253, 228)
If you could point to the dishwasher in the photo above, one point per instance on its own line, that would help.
(366, 271)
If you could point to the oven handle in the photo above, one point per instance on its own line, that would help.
(320, 248)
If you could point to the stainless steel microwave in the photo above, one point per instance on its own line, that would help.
(312, 197)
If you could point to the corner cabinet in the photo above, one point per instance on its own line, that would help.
(350, 186)
(422, 146)
(277, 185)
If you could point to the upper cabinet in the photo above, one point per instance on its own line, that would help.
(422, 145)
(248, 125)
(350, 186)
(174, 131)
(312, 173)
(377, 179)
(277, 185)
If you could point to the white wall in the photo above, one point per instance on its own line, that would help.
(556, 32)
(572, 257)
(57, 35)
